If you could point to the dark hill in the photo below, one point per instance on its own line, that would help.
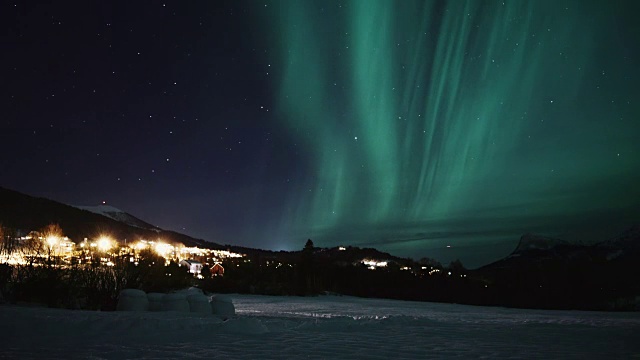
(550, 273)
(26, 213)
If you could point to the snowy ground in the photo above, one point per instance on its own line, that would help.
(321, 327)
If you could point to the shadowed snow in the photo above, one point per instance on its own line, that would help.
(320, 327)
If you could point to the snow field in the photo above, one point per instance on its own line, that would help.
(319, 328)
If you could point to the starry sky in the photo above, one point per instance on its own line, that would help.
(444, 129)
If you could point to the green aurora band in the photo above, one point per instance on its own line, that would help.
(466, 123)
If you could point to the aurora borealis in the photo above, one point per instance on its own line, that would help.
(444, 129)
(438, 121)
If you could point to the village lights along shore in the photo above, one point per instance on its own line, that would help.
(53, 249)
(50, 248)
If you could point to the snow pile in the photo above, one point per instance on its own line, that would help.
(199, 304)
(222, 306)
(191, 300)
(155, 301)
(175, 302)
(133, 300)
(191, 290)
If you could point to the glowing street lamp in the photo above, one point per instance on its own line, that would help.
(105, 243)
(52, 240)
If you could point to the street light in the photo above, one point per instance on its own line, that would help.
(52, 240)
(105, 243)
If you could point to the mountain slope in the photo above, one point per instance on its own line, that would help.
(26, 213)
(119, 215)
(535, 249)
(550, 273)
(535, 242)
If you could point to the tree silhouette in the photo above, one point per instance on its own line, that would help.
(8, 241)
(307, 281)
(52, 236)
(308, 247)
(456, 266)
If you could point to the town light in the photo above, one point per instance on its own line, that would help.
(163, 249)
(52, 240)
(105, 243)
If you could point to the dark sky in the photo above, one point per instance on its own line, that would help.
(422, 128)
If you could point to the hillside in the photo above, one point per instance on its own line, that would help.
(119, 215)
(25, 213)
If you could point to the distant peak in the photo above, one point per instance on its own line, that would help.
(627, 239)
(537, 242)
(118, 215)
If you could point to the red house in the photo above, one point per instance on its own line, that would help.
(217, 270)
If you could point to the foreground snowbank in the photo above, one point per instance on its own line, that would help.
(321, 327)
(191, 300)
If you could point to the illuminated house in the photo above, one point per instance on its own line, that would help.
(194, 266)
(217, 270)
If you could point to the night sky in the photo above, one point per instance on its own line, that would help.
(444, 129)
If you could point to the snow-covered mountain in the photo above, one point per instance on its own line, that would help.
(624, 245)
(26, 213)
(536, 250)
(630, 239)
(119, 215)
(537, 242)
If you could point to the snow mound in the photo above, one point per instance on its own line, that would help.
(155, 301)
(199, 304)
(192, 300)
(132, 300)
(175, 302)
(222, 306)
(191, 291)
